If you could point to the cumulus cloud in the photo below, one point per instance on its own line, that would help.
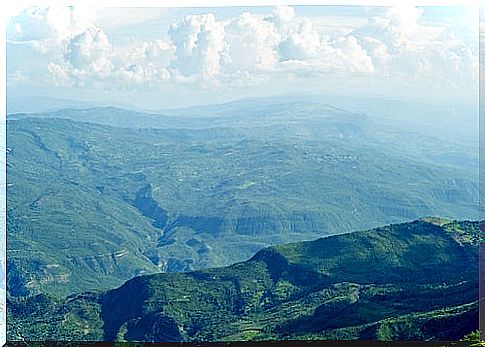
(199, 41)
(81, 52)
(348, 55)
(302, 44)
(402, 47)
(250, 49)
(48, 28)
(90, 50)
(251, 43)
(79, 49)
(282, 15)
(85, 56)
(147, 64)
(90, 57)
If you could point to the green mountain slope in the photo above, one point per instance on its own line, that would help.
(91, 205)
(416, 280)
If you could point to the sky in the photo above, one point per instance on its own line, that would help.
(154, 58)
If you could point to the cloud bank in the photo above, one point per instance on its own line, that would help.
(248, 49)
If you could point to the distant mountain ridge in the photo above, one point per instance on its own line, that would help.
(101, 115)
(230, 114)
(408, 281)
(181, 193)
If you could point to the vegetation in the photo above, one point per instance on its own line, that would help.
(91, 205)
(410, 281)
(158, 207)
(474, 339)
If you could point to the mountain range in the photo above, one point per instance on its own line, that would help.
(97, 196)
(408, 281)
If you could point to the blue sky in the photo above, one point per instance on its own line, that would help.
(169, 57)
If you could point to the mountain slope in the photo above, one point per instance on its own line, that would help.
(207, 191)
(415, 280)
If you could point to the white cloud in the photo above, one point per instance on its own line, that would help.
(59, 74)
(282, 16)
(199, 42)
(251, 43)
(47, 28)
(90, 50)
(404, 48)
(147, 64)
(86, 56)
(250, 49)
(90, 59)
(302, 44)
(81, 51)
(348, 55)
